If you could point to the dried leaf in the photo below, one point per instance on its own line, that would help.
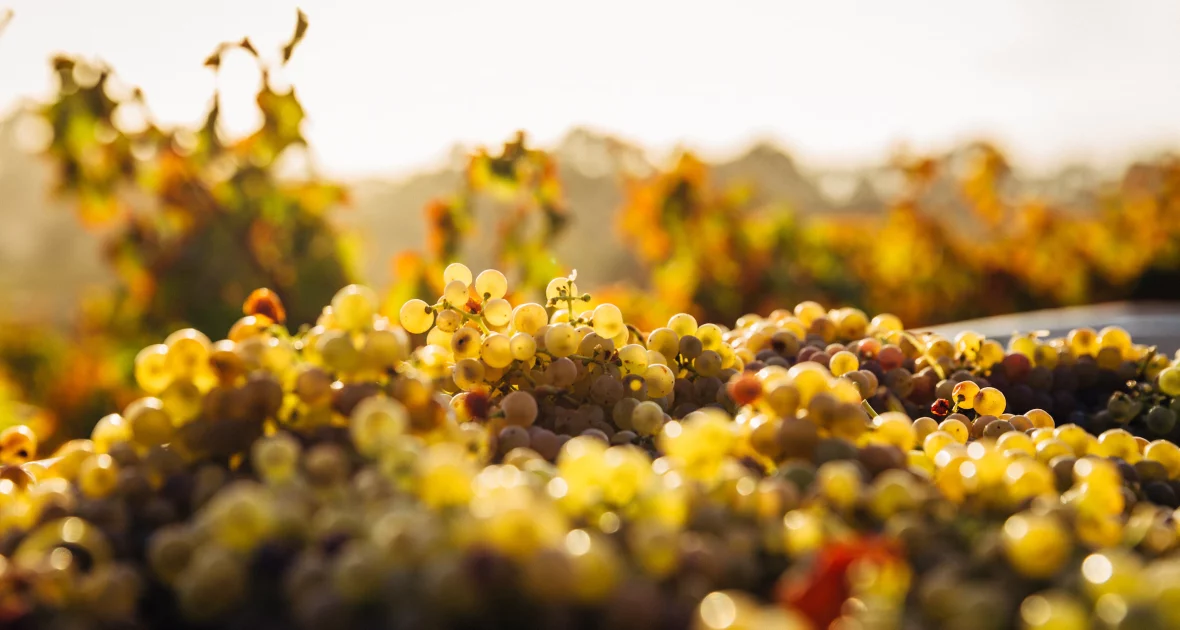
(300, 31)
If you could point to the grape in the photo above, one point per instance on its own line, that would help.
(455, 294)
(468, 374)
(188, 352)
(660, 380)
(98, 476)
(634, 359)
(448, 321)
(608, 321)
(665, 341)
(150, 424)
(110, 430)
(708, 363)
(416, 316)
(466, 343)
(523, 346)
(885, 323)
(529, 318)
(276, 458)
(457, 271)
(989, 401)
(152, 372)
(498, 312)
(519, 408)
(338, 352)
(561, 340)
(561, 288)
(354, 307)
(562, 372)
(491, 284)
(682, 324)
(496, 351)
(1169, 381)
(843, 362)
(647, 418)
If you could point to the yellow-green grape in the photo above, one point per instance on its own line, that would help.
(990, 353)
(457, 271)
(956, 429)
(660, 380)
(445, 475)
(112, 429)
(354, 307)
(1117, 338)
(490, 284)
(634, 359)
(853, 323)
(808, 311)
(560, 288)
(18, 444)
(1166, 453)
(97, 476)
(1023, 344)
(182, 400)
(840, 482)
(937, 441)
(707, 364)
(1083, 341)
(1078, 439)
(385, 347)
(989, 402)
(455, 294)
(1040, 419)
(337, 351)
(169, 550)
(377, 423)
(968, 343)
(1116, 571)
(1036, 545)
(1119, 443)
(438, 337)
(240, 516)
(447, 320)
(608, 321)
(1016, 441)
(893, 491)
(622, 339)
(665, 341)
(433, 360)
(528, 318)
(520, 408)
(276, 458)
(496, 350)
(894, 427)
(37, 545)
(843, 362)
(655, 358)
(560, 315)
(188, 352)
(1053, 610)
(150, 424)
(884, 323)
(964, 394)
(561, 340)
(468, 374)
(1169, 381)
(416, 316)
(498, 312)
(524, 346)
(682, 324)
(151, 369)
(647, 418)
(466, 343)
(710, 336)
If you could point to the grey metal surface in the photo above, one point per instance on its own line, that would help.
(1150, 323)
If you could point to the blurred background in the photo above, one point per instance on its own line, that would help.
(938, 162)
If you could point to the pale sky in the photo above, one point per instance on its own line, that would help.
(392, 85)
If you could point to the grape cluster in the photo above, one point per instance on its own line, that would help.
(485, 464)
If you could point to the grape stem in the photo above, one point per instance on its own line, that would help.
(868, 408)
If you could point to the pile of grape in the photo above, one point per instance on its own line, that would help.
(547, 465)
